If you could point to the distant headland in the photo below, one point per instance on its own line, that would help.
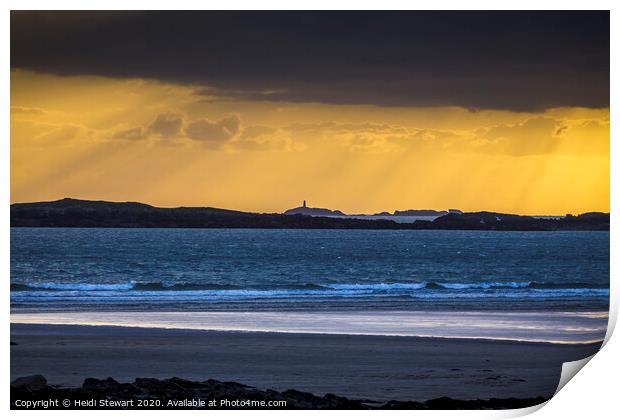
(318, 211)
(304, 210)
(69, 212)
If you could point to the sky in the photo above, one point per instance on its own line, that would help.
(357, 111)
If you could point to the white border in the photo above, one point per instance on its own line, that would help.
(592, 395)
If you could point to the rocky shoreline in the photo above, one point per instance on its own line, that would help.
(33, 392)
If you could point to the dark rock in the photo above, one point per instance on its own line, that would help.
(445, 403)
(97, 385)
(35, 388)
(403, 405)
(108, 387)
(30, 383)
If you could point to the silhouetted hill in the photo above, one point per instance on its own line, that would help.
(317, 211)
(498, 221)
(419, 213)
(313, 211)
(82, 213)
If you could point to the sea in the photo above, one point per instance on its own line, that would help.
(286, 273)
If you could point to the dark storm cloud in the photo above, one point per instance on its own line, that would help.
(505, 60)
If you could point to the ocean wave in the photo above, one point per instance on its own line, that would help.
(18, 287)
(461, 286)
(292, 297)
(482, 285)
(374, 286)
(158, 286)
(329, 287)
(163, 286)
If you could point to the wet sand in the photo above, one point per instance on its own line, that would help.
(380, 368)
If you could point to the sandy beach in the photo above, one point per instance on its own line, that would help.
(365, 367)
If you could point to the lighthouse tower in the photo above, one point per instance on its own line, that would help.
(304, 206)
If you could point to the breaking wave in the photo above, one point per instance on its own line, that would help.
(329, 287)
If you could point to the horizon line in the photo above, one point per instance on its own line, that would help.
(310, 207)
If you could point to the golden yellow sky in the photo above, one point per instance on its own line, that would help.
(174, 145)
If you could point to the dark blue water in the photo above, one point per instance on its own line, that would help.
(238, 269)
